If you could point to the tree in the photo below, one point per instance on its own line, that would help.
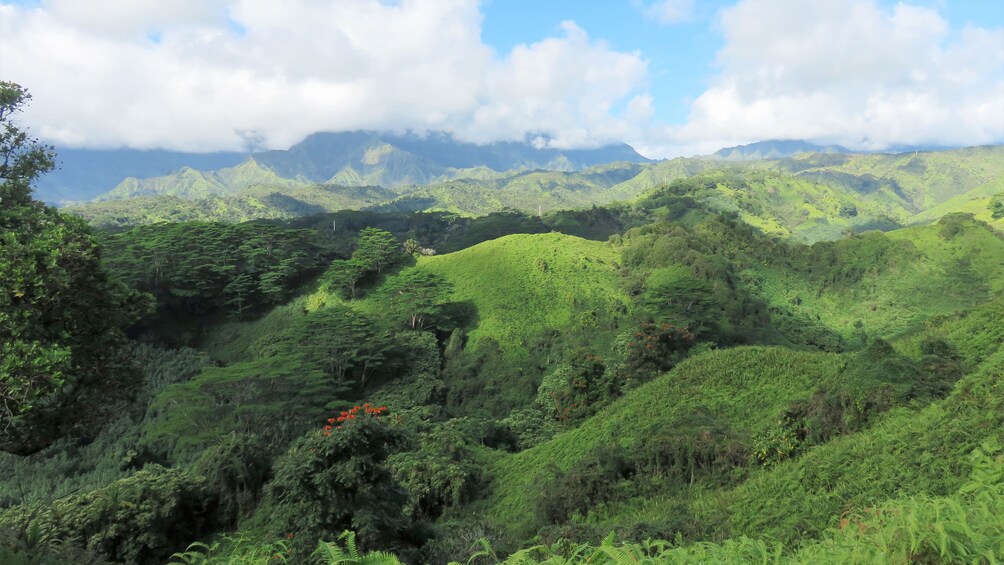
(411, 247)
(24, 158)
(60, 315)
(416, 295)
(343, 276)
(997, 207)
(339, 479)
(655, 348)
(344, 342)
(375, 248)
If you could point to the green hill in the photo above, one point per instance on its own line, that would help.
(886, 284)
(809, 197)
(742, 390)
(190, 183)
(522, 285)
(732, 401)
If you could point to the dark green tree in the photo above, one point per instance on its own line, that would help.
(416, 295)
(375, 248)
(339, 479)
(344, 342)
(653, 349)
(441, 472)
(60, 316)
(343, 276)
(997, 207)
(239, 292)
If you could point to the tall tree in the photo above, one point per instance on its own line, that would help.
(59, 313)
(375, 248)
(344, 342)
(343, 276)
(416, 295)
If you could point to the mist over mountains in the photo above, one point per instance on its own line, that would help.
(358, 158)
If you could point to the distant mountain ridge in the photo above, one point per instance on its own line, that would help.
(357, 158)
(773, 149)
(414, 159)
(83, 174)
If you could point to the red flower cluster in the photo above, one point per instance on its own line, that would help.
(350, 415)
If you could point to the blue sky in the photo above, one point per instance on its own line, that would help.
(671, 77)
(681, 54)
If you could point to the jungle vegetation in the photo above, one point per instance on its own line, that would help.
(725, 366)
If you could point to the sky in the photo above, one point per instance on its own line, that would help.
(669, 77)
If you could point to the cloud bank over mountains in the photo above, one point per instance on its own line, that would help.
(232, 74)
(848, 72)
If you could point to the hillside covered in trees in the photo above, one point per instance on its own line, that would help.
(795, 360)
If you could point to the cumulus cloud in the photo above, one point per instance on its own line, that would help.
(849, 72)
(226, 74)
(232, 74)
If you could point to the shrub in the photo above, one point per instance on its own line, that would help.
(337, 479)
(139, 519)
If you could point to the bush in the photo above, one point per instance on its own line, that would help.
(236, 470)
(140, 519)
(339, 479)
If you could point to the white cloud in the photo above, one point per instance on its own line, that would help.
(850, 72)
(222, 74)
(671, 11)
(126, 18)
(196, 75)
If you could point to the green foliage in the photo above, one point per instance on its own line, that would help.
(341, 340)
(343, 276)
(234, 550)
(73, 464)
(997, 207)
(655, 348)
(687, 276)
(330, 553)
(197, 268)
(440, 473)
(332, 481)
(236, 469)
(375, 249)
(874, 284)
(416, 296)
(60, 365)
(276, 397)
(742, 388)
(568, 342)
(23, 158)
(138, 519)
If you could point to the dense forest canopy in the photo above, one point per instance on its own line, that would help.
(744, 362)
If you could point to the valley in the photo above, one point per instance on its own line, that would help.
(784, 353)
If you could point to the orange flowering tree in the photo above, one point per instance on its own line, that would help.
(337, 479)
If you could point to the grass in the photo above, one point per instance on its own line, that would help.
(914, 459)
(910, 452)
(903, 278)
(745, 388)
(524, 284)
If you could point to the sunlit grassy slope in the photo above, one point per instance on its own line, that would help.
(523, 284)
(889, 283)
(910, 451)
(744, 389)
(520, 285)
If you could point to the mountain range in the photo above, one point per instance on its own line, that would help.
(773, 149)
(358, 158)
